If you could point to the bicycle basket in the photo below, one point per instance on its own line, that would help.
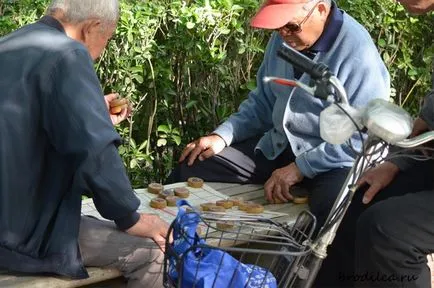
(234, 250)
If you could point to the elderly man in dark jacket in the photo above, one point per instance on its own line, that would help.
(57, 141)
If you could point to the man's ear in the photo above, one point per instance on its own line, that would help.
(323, 10)
(90, 28)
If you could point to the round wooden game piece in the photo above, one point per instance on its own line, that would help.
(206, 206)
(277, 201)
(166, 193)
(158, 203)
(171, 201)
(118, 102)
(236, 200)
(195, 182)
(243, 205)
(300, 200)
(255, 209)
(117, 105)
(227, 204)
(216, 208)
(225, 225)
(117, 109)
(182, 192)
(155, 188)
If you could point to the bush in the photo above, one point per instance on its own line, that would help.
(187, 65)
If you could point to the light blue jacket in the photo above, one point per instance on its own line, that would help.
(285, 115)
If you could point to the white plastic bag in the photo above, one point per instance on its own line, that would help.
(335, 126)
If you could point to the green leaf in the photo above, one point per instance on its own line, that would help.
(190, 25)
(143, 145)
(225, 31)
(190, 104)
(381, 42)
(161, 142)
(176, 139)
(251, 85)
(163, 128)
(133, 163)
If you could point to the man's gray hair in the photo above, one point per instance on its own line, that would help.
(76, 11)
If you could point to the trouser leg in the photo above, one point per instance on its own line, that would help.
(392, 241)
(237, 163)
(140, 260)
(323, 191)
(338, 268)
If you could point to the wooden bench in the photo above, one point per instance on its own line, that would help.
(248, 192)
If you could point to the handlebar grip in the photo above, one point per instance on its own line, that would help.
(317, 71)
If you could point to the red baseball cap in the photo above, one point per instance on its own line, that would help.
(276, 13)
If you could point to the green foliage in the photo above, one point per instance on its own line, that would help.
(406, 45)
(187, 65)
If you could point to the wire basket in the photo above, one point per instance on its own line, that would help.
(258, 242)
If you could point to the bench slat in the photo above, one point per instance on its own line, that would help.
(95, 275)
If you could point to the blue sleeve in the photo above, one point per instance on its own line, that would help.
(254, 114)
(364, 77)
(79, 127)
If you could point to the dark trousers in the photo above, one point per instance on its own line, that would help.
(239, 163)
(393, 236)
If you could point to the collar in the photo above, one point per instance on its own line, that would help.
(52, 22)
(331, 30)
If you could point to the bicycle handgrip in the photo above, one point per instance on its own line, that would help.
(317, 71)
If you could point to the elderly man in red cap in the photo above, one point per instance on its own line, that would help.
(274, 138)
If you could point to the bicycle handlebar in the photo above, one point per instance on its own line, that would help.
(416, 141)
(317, 71)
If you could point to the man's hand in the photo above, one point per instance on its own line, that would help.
(277, 187)
(419, 126)
(202, 148)
(125, 112)
(150, 226)
(378, 178)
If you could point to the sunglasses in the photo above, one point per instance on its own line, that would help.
(295, 28)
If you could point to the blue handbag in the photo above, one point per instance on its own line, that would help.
(209, 267)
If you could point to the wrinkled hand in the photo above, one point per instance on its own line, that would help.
(117, 118)
(378, 178)
(277, 187)
(150, 226)
(202, 148)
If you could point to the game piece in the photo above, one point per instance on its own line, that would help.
(216, 209)
(300, 200)
(166, 193)
(117, 105)
(158, 203)
(300, 194)
(277, 201)
(243, 205)
(182, 192)
(155, 188)
(255, 209)
(227, 204)
(171, 201)
(206, 206)
(236, 200)
(195, 182)
(225, 225)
